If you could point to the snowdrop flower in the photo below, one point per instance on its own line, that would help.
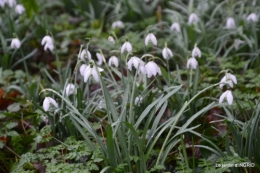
(111, 39)
(228, 95)
(175, 27)
(192, 63)
(113, 60)
(151, 69)
(126, 46)
(237, 43)
(167, 53)
(150, 38)
(91, 71)
(252, 17)
(228, 79)
(2, 3)
(193, 19)
(196, 52)
(100, 59)
(134, 61)
(47, 101)
(48, 43)
(138, 100)
(85, 54)
(11, 3)
(117, 24)
(16, 43)
(19, 9)
(70, 89)
(230, 23)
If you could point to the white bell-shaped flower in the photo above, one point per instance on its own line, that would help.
(228, 95)
(47, 102)
(2, 3)
(19, 9)
(196, 52)
(230, 23)
(100, 59)
(16, 43)
(126, 46)
(111, 39)
(11, 3)
(151, 69)
(150, 38)
(192, 63)
(138, 100)
(48, 43)
(252, 17)
(70, 89)
(85, 54)
(91, 71)
(117, 24)
(175, 27)
(113, 60)
(193, 19)
(167, 53)
(133, 61)
(228, 79)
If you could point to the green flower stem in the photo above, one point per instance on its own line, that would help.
(184, 151)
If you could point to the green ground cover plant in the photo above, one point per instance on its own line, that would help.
(129, 86)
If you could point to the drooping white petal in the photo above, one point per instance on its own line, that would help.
(150, 38)
(100, 59)
(111, 39)
(223, 95)
(117, 24)
(48, 46)
(167, 53)
(85, 54)
(15, 44)
(46, 39)
(228, 79)
(47, 101)
(230, 23)
(193, 19)
(134, 61)
(192, 63)
(141, 68)
(151, 69)
(175, 27)
(113, 60)
(87, 73)
(19, 9)
(126, 46)
(83, 68)
(252, 17)
(222, 82)
(95, 75)
(48, 43)
(92, 71)
(229, 97)
(70, 89)
(196, 52)
(232, 77)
